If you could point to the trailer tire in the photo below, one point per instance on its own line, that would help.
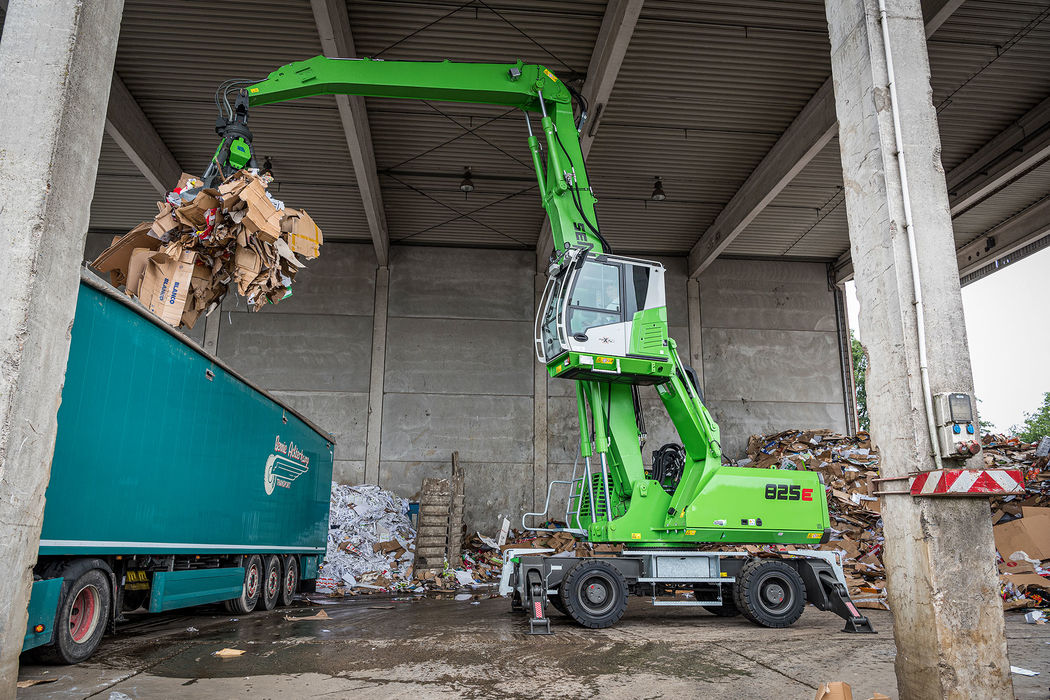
(83, 612)
(252, 587)
(594, 593)
(289, 579)
(271, 581)
(770, 593)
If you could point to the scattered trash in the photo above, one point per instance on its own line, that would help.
(1023, 671)
(192, 629)
(321, 615)
(30, 682)
(1036, 617)
(837, 690)
(202, 241)
(117, 695)
(227, 653)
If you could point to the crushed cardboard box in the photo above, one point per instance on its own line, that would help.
(202, 241)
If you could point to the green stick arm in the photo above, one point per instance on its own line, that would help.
(562, 177)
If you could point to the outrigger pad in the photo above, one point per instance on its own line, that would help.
(544, 625)
(859, 625)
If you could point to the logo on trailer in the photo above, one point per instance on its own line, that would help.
(283, 467)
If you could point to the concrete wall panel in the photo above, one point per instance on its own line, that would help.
(494, 491)
(461, 283)
(459, 356)
(299, 352)
(767, 295)
(348, 472)
(406, 478)
(430, 427)
(764, 365)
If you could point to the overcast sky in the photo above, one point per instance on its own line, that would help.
(1008, 326)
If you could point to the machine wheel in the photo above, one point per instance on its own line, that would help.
(558, 603)
(289, 579)
(595, 594)
(271, 581)
(769, 593)
(252, 587)
(83, 613)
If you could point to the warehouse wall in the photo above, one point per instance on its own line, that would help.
(459, 366)
(771, 355)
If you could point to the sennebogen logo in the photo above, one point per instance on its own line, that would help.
(283, 467)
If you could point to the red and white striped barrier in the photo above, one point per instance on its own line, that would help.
(968, 482)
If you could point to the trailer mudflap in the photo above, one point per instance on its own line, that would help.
(43, 608)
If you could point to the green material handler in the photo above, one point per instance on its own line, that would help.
(602, 322)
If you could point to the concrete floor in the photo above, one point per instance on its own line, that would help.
(426, 648)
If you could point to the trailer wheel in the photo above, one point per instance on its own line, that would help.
(769, 593)
(595, 594)
(289, 579)
(83, 613)
(252, 587)
(271, 581)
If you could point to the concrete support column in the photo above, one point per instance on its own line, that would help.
(57, 58)
(939, 554)
(374, 432)
(539, 418)
(696, 348)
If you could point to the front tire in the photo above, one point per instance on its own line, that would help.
(595, 594)
(770, 593)
(252, 588)
(289, 580)
(83, 613)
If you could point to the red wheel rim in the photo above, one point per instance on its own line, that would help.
(84, 613)
(251, 585)
(289, 581)
(273, 581)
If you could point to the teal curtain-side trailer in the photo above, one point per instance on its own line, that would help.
(174, 482)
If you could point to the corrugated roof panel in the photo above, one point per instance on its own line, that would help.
(1007, 202)
(123, 198)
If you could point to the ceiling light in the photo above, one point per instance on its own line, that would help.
(466, 184)
(658, 194)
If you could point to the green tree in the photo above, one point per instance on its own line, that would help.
(1037, 423)
(860, 374)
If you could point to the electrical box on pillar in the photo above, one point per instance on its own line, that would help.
(956, 429)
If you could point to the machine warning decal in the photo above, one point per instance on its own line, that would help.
(784, 492)
(285, 466)
(550, 75)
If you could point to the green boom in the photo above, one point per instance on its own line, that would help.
(702, 501)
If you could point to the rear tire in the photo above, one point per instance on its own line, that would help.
(770, 593)
(595, 594)
(271, 581)
(83, 613)
(252, 587)
(289, 580)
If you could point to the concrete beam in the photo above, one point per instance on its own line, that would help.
(1017, 149)
(939, 553)
(128, 125)
(1012, 234)
(333, 26)
(805, 137)
(57, 58)
(618, 24)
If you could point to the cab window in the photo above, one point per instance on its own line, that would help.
(596, 299)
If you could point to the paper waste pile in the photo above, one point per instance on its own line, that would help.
(369, 541)
(202, 241)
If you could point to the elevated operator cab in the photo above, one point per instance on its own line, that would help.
(604, 317)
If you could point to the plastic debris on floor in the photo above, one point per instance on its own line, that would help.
(369, 542)
(203, 241)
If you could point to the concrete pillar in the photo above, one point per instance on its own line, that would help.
(939, 554)
(696, 348)
(57, 58)
(539, 418)
(374, 432)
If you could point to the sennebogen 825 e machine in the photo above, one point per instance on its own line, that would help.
(602, 323)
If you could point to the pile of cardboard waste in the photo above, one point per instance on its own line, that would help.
(203, 241)
(849, 465)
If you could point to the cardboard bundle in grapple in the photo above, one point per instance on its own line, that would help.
(202, 241)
